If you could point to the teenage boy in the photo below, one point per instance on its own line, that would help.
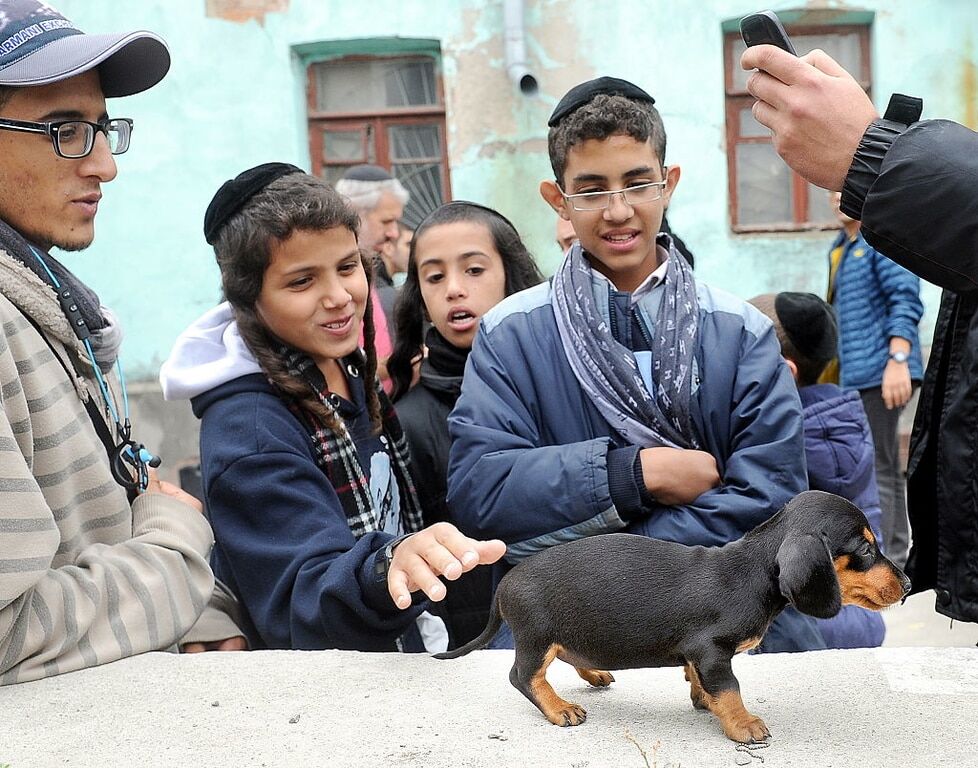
(621, 395)
(838, 441)
(98, 559)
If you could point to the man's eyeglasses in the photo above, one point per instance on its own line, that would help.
(73, 139)
(598, 201)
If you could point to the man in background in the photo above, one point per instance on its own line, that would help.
(379, 199)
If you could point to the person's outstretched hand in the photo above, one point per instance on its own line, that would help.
(438, 550)
(816, 111)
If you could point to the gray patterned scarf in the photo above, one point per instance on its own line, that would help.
(608, 371)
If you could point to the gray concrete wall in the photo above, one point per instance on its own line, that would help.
(868, 708)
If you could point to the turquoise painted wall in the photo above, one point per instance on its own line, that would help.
(235, 96)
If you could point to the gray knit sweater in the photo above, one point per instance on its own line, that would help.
(85, 578)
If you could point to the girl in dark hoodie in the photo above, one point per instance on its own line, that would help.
(465, 258)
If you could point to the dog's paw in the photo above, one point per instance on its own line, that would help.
(571, 714)
(699, 700)
(597, 677)
(747, 730)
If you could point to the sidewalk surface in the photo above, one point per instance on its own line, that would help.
(884, 707)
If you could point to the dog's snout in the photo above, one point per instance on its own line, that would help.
(902, 580)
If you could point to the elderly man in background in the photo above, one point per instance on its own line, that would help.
(379, 198)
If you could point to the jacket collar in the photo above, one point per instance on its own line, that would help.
(36, 299)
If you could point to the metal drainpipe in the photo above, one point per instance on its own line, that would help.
(515, 31)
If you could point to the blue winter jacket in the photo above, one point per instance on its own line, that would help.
(534, 463)
(874, 299)
(841, 460)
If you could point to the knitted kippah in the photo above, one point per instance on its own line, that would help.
(366, 173)
(233, 194)
(581, 94)
(809, 323)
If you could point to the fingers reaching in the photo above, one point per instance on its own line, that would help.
(440, 550)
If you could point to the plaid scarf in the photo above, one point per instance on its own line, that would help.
(336, 454)
(608, 371)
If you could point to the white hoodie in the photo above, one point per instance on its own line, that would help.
(209, 353)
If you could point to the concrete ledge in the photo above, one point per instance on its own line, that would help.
(882, 707)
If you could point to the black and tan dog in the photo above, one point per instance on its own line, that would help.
(624, 602)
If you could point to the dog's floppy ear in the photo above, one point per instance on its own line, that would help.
(807, 577)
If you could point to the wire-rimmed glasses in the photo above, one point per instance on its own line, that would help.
(639, 194)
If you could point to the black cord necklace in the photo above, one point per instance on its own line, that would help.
(129, 461)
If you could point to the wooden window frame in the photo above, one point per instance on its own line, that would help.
(379, 119)
(736, 100)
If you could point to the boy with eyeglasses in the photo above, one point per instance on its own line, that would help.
(99, 560)
(622, 395)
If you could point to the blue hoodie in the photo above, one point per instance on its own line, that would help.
(282, 541)
(841, 460)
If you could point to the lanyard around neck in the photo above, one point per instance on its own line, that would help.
(128, 460)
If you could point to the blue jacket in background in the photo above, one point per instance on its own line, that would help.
(534, 463)
(840, 454)
(874, 299)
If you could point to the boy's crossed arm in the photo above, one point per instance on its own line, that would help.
(678, 475)
(506, 482)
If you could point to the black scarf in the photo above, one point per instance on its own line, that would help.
(442, 368)
(105, 332)
(17, 246)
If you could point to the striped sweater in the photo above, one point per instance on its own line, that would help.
(85, 578)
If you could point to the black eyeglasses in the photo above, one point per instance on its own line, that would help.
(73, 139)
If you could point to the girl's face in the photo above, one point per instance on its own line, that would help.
(461, 275)
(314, 293)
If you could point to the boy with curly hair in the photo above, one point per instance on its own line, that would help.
(622, 395)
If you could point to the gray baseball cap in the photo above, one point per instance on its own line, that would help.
(39, 46)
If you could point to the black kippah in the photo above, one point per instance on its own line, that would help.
(233, 194)
(367, 172)
(581, 94)
(809, 323)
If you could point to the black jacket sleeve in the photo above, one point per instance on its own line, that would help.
(915, 189)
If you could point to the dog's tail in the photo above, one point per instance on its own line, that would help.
(495, 621)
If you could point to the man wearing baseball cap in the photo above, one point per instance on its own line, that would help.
(99, 560)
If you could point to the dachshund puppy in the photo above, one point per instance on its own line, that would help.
(620, 601)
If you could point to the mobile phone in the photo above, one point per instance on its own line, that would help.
(764, 28)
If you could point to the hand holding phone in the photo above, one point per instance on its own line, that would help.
(764, 28)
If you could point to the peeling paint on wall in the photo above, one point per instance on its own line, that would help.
(239, 79)
(493, 148)
(244, 10)
(969, 86)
